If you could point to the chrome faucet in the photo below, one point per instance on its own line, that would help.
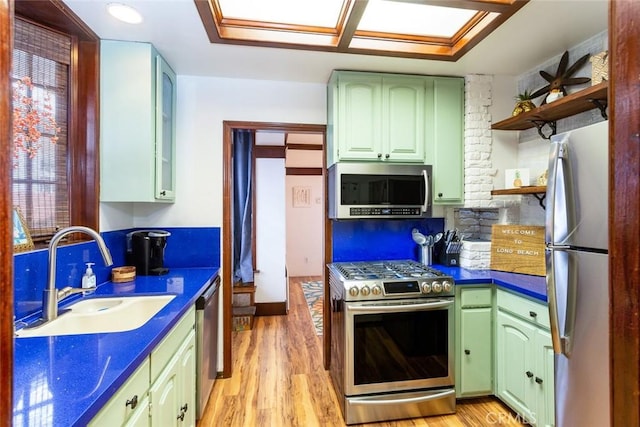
(51, 296)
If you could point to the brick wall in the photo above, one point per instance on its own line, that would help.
(478, 168)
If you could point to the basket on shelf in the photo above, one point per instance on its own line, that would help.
(599, 67)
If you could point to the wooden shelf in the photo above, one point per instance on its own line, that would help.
(533, 189)
(537, 191)
(547, 114)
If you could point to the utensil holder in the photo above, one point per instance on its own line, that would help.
(426, 255)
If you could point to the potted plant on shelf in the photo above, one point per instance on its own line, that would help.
(523, 103)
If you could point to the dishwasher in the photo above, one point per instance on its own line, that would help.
(206, 344)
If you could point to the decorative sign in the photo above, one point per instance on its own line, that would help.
(518, 249)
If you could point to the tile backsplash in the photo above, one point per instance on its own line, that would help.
(186, 247)
(371, 240)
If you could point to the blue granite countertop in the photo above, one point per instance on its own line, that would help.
(66, 380)
(532, 286)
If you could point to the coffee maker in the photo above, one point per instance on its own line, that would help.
(145, 250)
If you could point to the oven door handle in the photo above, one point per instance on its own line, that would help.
(380, 308)
(419, 399)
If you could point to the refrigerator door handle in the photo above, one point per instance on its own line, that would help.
(551, 192)
(561, 297)
(552, 301)
(560, 210)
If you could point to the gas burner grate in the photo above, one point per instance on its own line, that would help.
(369, 270)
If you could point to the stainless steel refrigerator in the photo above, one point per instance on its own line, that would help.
(578, 274)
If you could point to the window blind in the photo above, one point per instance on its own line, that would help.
(41, 58)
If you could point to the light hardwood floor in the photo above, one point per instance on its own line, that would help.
(279, 380)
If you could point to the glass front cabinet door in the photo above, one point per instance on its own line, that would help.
(165, 130)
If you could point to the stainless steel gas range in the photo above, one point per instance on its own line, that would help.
(392, 348)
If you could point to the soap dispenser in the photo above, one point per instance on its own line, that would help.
(89, 278)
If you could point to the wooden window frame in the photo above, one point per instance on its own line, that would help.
(83, 173)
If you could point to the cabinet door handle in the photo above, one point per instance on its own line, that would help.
(529, 374)
(379, 155)
(180, 417)
(184, 408)
(539, 380)
(467, 352)
(439, 194)
(133, 401)
(533, 314)
(386, 156)
(163, 193)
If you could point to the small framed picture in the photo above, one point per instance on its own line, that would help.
(301, 197)
(514, 178)
(21, 236)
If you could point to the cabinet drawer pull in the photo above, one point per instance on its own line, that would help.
(133, 402)
(539, 380)
(467, 352)
(533, 314)
(529, 374)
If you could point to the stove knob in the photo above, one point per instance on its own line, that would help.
(437, 287)
(376, 290)
(426, 287)
(447, 286)
(365, 291)
(353, 291)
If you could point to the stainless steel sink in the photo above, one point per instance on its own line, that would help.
(100, 315)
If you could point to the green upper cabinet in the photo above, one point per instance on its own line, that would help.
(359, 133)
(403, 119)
(447, 154)
(137, 124)
(399, 118)
(377, 117)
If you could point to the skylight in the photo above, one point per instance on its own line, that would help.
(414, 19)
(429, 29)
(323, 13)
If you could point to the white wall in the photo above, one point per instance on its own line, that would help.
(304, 226)
(203, 104)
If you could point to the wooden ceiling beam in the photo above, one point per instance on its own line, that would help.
(352, 20)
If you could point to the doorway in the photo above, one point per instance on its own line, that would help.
(227, 232)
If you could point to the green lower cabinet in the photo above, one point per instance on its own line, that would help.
(162, 391)
(141, 417)
(173, 393)
(516, 364)
(474, 346)
(525, 364)
(546, 403)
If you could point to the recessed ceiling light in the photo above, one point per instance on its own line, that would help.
(124, 13)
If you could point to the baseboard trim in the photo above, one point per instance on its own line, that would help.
(271, 308)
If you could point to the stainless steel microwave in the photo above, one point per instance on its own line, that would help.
(379, 190)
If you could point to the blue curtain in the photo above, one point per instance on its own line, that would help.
(242, 206)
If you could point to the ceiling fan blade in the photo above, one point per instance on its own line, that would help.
(562, 66)
(576, 81)
(548, 77)
(540, 91)
(575, 67)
